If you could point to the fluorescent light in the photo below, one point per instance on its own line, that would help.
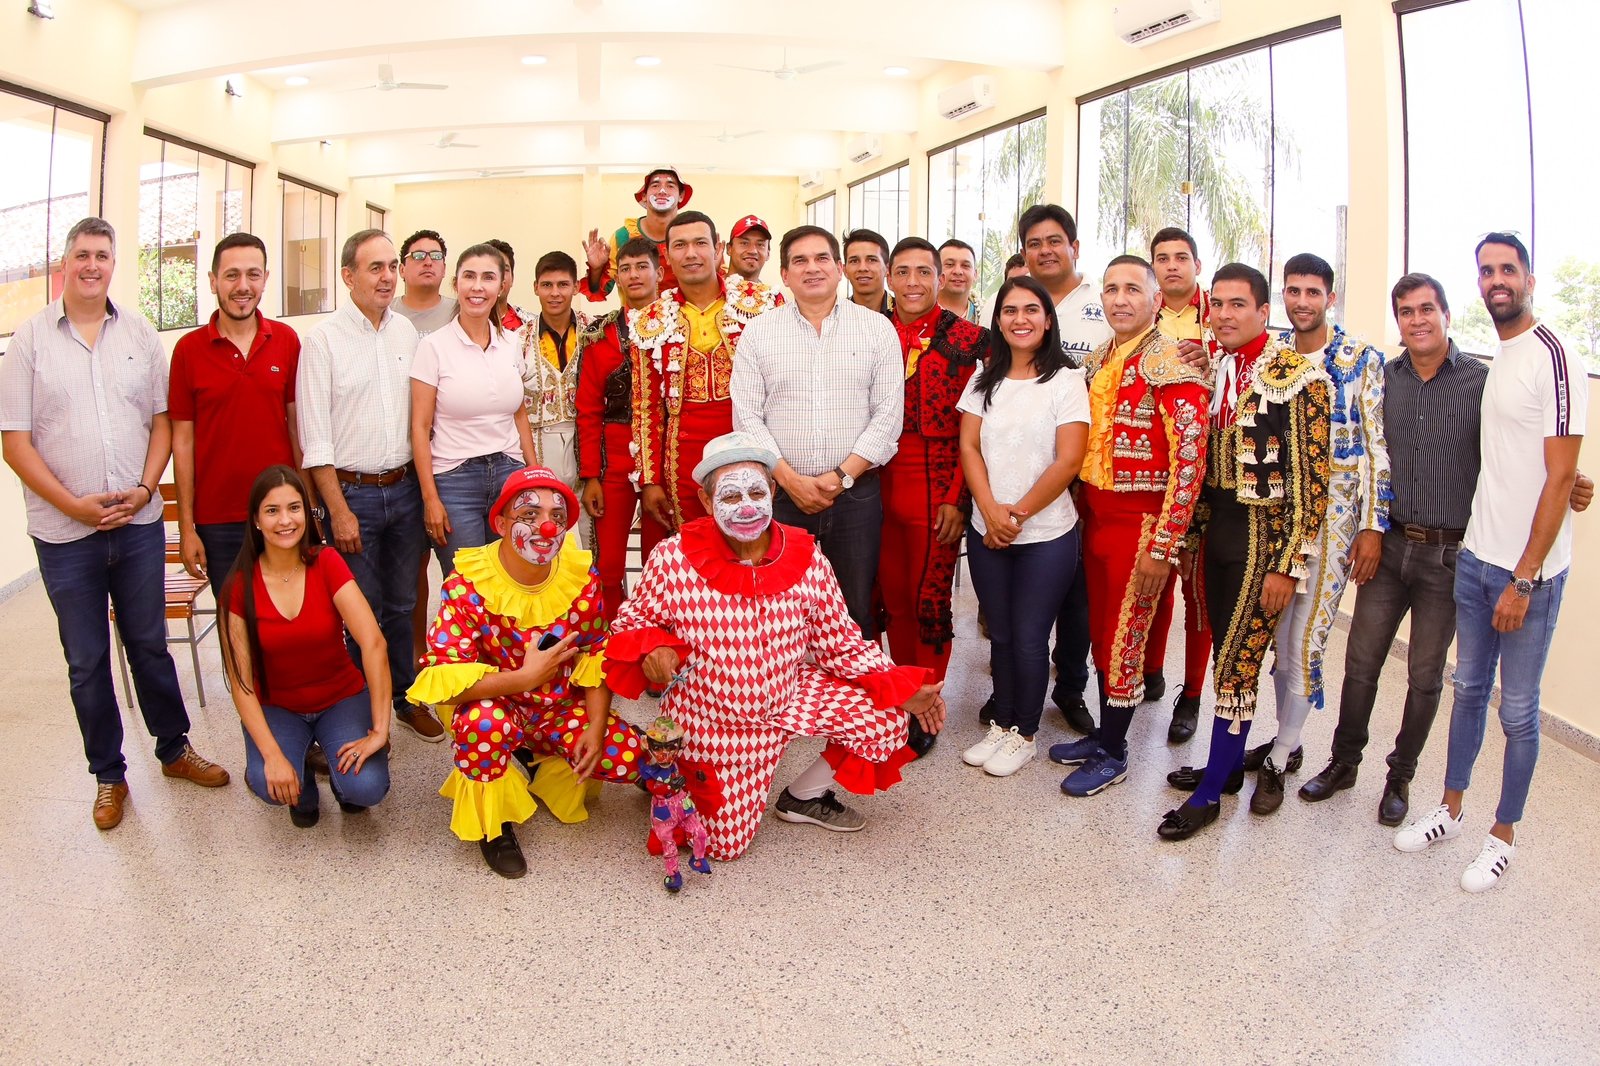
(534, 61)
(42, 9)
(647, 61)
(295, 81)
(896, 72)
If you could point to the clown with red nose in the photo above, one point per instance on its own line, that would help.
(516, 654)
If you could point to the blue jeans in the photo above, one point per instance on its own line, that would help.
(1071, 654)
(393, 542)
(347, 720)
(1520, 656)
(222, 541)
(125, 566)
(850, 534)
(1021, 589)
(467, 493)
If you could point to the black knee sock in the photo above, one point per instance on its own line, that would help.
(1113, 733)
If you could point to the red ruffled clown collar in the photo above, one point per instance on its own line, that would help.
(788, 557)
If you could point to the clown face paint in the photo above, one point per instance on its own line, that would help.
(742, 503)
(533, 536)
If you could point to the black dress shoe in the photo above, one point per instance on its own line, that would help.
(1396, 801)
(1268, 796)
(1187, 779)
(1074, 710)
(1333, 778)
(1187, 820)
(1256, 756)
(986, 712)
(1185, 715)
(504, 854)
(1155, 686)
(351, 808)
(919, 739)
(304, 819)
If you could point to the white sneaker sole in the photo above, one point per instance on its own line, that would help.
(1100, 787)
(1411, 847)
(806, 819)
(968, 758)
(1006, 772)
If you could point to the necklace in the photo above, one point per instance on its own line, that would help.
(286, 577)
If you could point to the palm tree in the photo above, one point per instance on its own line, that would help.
(1020, 159)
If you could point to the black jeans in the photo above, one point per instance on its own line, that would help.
(1071, 655)
(222, 541)
(1419, 578)
(849, 534)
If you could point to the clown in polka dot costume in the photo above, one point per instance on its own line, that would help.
(477, 660)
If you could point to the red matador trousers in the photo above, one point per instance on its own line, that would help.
(913, 565)
(687, 434)
(621, 498)
(866, 748)
(1117, 527)
(1196, 635)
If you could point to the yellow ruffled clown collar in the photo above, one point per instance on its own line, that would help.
(531, 607)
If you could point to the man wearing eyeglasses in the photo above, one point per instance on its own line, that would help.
(422, 267)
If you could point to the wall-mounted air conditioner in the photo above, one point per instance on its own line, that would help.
(1141, 22)
(863, 149)
(812, 180)
(966, 97)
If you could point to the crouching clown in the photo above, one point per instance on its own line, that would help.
(518, 651)
(748, 614)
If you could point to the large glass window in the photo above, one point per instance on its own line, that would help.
(1491, 145)
(377, 217)
(308, 254)
(189, 199)
(819, 212)
(53, 158)
(883, 203)
(977, 188)
(1247, 151)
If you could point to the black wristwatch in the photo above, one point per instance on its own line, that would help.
(1523, 587)
(319, 513)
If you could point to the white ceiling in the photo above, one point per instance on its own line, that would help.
(589, 103)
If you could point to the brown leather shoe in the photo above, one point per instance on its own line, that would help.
(191, 767)
(108, 801)
(421, 722)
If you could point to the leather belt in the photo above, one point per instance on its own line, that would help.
(381, 479)
(1424, 535)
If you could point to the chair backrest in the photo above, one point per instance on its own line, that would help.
(169, 500)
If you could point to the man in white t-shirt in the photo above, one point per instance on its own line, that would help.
(1512, 568)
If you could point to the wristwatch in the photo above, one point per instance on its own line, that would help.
(1523, 587)
(319, 513)
(845, 480)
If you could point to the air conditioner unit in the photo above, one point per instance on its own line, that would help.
(863, 148)
(812, 180)
(966, 98)
(1140, 22)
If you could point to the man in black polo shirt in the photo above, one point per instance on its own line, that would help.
(1432, 397)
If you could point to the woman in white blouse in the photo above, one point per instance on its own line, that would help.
(469, 429)
(1024, 429)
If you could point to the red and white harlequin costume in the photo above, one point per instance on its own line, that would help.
(769, 652)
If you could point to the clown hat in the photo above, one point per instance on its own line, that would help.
(732, 448)
(685, 189)
(664, 732)
(537, 477)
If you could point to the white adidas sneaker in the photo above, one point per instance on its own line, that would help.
(1485, 871)
(1438, 825)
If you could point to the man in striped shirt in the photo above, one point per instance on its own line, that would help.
(1512, 568)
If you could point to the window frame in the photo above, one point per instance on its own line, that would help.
(285, 180)
(851, 224)
(383, 213)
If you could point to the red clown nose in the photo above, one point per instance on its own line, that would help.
(549, 530)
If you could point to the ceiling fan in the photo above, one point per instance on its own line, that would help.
(728, 138)
(387, 84)
(449, 141)
(498, 173)
(785, 72)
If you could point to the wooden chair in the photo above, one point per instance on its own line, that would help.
(182, 595)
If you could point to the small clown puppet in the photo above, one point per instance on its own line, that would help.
(673, 815)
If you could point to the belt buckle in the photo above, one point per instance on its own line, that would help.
(1416, 533)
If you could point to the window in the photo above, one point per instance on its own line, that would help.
(54, 156)
(308, 262)
(1247, 150)
(189, 199)
(819, 212)
(377, 217)
(978, 187)
(882, 203)
(1507, 159)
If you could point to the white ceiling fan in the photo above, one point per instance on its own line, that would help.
(728, 138)
(498, 173)
(784, 72)
(387, 84)
(449, 141)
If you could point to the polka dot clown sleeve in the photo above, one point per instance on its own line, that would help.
(452, 662)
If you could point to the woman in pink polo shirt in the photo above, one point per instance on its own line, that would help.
(469, 429)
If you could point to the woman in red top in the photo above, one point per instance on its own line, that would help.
(285, 607)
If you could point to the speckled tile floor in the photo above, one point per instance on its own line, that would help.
(974, 920)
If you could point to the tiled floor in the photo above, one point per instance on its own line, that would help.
(974, 920)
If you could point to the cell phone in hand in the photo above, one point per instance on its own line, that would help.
(548, 641)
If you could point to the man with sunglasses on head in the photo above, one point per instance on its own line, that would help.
(422, 268)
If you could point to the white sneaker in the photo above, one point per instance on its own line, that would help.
(979, 753)
(1491, 864)
(1013, 754)
(1438, 825)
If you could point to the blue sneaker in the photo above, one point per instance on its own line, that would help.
(700, 866)
(1076, 751)
(1096, 775)
(672, 882)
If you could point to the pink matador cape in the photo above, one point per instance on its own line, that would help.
(769, 652)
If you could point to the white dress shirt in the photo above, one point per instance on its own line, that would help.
(353, 392)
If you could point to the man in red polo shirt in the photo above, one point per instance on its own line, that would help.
(231, 401)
